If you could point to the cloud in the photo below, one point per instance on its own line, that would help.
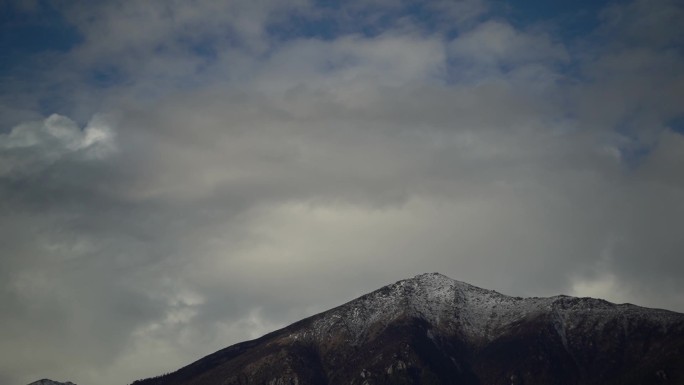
(499, 43)
(29, 147)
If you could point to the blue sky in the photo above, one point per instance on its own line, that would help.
(26, 32)
(176, 177)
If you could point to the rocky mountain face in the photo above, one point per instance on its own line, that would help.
(50, 382)
(434, 330)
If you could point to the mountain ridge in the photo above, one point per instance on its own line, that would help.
(46, 381)
(481, 310)
(431, 325)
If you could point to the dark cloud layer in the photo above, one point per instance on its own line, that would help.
(186, 177)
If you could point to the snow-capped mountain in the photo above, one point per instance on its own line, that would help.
(50, 382)
(431, 329)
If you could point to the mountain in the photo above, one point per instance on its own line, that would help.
(50, 382)
(431, 329)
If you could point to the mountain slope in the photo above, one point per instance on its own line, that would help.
(434, 330)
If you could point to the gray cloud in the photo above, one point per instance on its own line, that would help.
(286, 176)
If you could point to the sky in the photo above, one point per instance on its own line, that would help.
(178, 176)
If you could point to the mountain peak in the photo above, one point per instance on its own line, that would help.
(435, 280)
(433, 329)
(432, 297)
(432, 277)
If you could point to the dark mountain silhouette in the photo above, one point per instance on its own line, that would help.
(433, 330)
(45, 381)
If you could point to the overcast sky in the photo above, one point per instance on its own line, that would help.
(178, 176)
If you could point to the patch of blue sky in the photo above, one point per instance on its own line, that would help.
(571, 19)
(297, 25)
(24, 33)
(677, 124)
(572, 24)
(106, 76)
(433, 20)
(205, 47)
(332, 19)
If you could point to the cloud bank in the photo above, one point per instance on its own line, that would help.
(185, 176)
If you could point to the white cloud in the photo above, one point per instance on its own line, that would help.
(499, 43)
(29, 147)
(59, 131)
(604, 287)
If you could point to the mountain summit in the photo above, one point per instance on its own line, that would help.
(431, 329)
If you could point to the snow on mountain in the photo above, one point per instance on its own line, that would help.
(480, 315)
